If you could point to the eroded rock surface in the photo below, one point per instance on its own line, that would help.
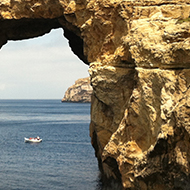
(139, 57)
(81, 91)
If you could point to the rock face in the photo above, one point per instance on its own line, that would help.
(138, 53)
(81, 91)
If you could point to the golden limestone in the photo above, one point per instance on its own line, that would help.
(138, 53)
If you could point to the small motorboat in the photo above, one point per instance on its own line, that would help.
(32, 140)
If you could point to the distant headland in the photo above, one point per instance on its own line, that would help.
(81, 91)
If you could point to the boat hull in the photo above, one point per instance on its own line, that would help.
(32, 140)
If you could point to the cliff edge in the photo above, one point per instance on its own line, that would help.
(138, 52)
(81, 91)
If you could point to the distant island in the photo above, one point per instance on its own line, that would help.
(81, 91)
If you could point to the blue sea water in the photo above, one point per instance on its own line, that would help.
(63, 161)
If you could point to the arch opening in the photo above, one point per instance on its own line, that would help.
(39, 68)
(26, 28)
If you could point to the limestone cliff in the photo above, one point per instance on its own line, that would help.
(81, 91)
(138, 53)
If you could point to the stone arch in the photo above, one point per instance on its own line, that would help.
(128, 43)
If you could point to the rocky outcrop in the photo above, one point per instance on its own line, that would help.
(81, 91)
(139, 59)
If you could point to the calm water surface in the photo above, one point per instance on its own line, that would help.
(64, 160)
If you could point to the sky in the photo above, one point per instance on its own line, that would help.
(39, 68)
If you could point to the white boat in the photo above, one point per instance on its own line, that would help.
(32, 139)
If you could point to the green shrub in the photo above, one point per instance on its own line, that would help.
(180, 21)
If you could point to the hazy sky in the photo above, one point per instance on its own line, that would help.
(39, 68)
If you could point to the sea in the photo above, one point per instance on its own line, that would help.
(65, 158)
